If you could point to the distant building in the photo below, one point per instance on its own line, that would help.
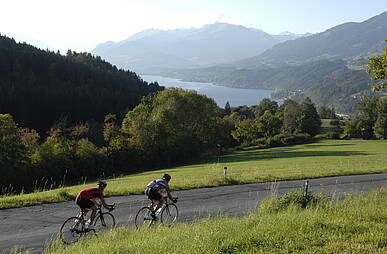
(343, 116)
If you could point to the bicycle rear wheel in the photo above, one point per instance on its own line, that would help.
(70, 232)
(105, 221)
(143, 218)
(169, 214)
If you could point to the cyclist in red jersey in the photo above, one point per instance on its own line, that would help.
(86, 200)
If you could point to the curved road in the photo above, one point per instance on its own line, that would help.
(33, 227)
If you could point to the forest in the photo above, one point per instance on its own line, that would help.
(40, 87)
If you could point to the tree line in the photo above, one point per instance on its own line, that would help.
(167, 128)
(39, 88)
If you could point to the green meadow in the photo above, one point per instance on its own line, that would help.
(319, 159)
(354, 225)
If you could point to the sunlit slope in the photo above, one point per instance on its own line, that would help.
(324, 158)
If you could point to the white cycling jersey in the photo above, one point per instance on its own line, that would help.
(158, 184)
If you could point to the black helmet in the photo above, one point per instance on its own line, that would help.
(102, 183)
(166, 177)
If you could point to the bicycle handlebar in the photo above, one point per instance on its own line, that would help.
(174, 200)
(111, 207)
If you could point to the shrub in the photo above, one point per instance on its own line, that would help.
(275, 141)
(334, 122)
(292, 198)
(333, 135)
(329, 135)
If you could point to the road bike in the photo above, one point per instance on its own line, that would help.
(75, 227)
(167, 214)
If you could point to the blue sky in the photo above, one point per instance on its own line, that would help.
(82, 24)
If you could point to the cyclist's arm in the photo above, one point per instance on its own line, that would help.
(169, 194)
(94, 201)
(103, 202)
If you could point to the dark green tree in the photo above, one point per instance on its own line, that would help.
(291, 112)
(174, 125)
(247, 131)
(263, 106)
(308, 121)
(227, 108)
(377, 68)
(352, 129)
(269, 124)
(13, 152)
(244, 112)
(326, 112)
(368, 114)
(380, 128)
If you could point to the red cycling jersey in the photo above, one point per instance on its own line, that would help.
(92, 192)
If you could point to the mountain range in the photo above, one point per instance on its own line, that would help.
(211, 44)
(310, 65)
(349, 41)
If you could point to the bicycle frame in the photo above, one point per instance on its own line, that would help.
(99, 213)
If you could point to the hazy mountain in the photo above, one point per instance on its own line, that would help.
(212, 44)
(32, 41)
(286, 36)
(346, 41)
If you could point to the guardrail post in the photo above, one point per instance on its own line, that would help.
(306, 193)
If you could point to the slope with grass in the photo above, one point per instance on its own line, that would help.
(355, 225)
(320, 159)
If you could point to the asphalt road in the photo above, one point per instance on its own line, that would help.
(33, 227)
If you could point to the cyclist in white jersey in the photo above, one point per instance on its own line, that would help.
(154, 192)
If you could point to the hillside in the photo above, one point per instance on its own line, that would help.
(325, 82)
(346, 41)
(249, 166)
(40, 87)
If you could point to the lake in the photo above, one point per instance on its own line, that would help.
(221, 94)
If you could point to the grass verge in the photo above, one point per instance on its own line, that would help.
(355, 225)
(320, 159)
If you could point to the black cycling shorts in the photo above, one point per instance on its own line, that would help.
(84, 203)
(153, 194)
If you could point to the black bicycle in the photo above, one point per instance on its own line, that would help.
(167, 214)
(74, 227)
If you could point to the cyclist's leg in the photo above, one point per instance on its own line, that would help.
(83, 212)
(153, 205)
(93, 213)
(155, 198)
(86, 205)
(162, 201)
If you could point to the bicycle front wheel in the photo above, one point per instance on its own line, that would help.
(70, 232)
(103, 222)
(169, 214)
(143, 218)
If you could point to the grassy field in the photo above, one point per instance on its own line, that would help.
(355, 225)
(320, 159)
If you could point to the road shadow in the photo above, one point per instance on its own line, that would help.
(327, 145)
(285, 153)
